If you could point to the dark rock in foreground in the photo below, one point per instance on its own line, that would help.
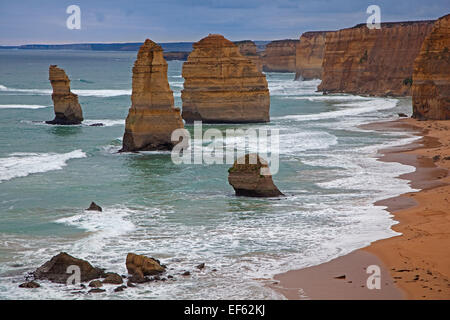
(29, 285)
(94, 207)
(140, 266)
(247, 178)
(55, 269)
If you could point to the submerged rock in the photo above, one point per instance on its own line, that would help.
(29, 285)
(152, 117)
(140, 266)
(431, 77)
(94, 207)
(223, 86)
(113, 278)
(67, 109)
(55, 269)
(250, 176)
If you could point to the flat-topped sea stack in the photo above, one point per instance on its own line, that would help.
(152, 117)
(248, 49)
(431, 78)
(250, 176)
(279, 56)
(67, 109)
(309, 55)
(223, 86)
(375, 62)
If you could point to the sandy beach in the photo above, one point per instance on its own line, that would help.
(414, 265)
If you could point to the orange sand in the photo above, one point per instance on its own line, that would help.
(415, 265)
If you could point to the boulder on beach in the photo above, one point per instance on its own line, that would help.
(113, 278)
(250, 176)
(67, 109)
(94, 207)
(56, 269)
(29, 285)
(152, 117)
(141, 266)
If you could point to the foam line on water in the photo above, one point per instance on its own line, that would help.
(22, 164)
(80, 92)
(22, 106)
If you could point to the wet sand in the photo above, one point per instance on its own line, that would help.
(414, 265)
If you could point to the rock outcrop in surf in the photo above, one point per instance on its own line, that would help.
(309, 55)
(67, 108)
(152, 117)
(250, 176)
(248, 49)
(279, 56)
(431, 78)
(223, 86)
(56, 269)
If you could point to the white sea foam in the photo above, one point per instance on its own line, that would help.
(105, 122)
(22, 106)
(291, 88)
(23, 164)
(80, 92)
(351, 109)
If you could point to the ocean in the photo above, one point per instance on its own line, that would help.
(183, 215)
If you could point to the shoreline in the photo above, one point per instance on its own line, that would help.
(415, 264)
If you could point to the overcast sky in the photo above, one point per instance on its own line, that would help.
(44, 21)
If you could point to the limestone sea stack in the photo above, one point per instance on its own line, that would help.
(309, 55)
(375, 62)
(223, 86)
(431, 78)
(67, 109)
(250, 176)
(279, 56)
(152, 117)
(248, 49)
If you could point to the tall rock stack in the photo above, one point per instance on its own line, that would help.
(248, 49)
(152, 117)
(67, 109)
(431, 78)
(279, 56)
(375, 62)
(222, 86)
(309, 55)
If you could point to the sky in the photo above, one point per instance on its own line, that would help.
(103, 21)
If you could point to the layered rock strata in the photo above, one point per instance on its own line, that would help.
(309, 55)
(249, 176)
(279, 56)
(376, 62)
(248, 49)
(67, 109)
(152, 117)
(431, 77)
(222, 86)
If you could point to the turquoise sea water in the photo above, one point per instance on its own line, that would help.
(181, 214)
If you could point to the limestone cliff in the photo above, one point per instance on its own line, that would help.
(309, 55)
(279, 56)
(152, 117)
(222, 86)
(248, 49)
(377, 62)
(431, 77)
(249, 177)
(67, 109)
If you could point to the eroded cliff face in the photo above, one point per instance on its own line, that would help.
(67, 109)
(222, 86)
(152, 117)
(248, 49)
(376, 62)
(279, 56)
(431, 78)
(309, 55)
